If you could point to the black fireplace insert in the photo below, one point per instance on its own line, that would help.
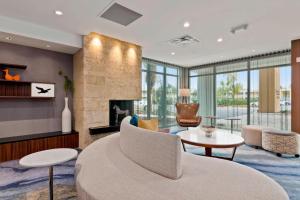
(118, 110)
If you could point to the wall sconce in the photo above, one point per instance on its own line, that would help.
(131, 56)
(96, 41)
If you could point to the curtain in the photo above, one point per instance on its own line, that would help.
(270, 61)
(206, 96)
(183, 77)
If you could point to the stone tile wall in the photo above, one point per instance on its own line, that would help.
(106, 68)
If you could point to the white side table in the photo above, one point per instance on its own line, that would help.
(48, 158)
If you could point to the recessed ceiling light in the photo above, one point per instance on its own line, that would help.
(186, 24)
(173, 53)
(58, 12)
(8, 38)
(220, 40)
(48, 46)
(253, 50)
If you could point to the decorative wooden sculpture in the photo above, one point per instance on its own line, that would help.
(9, 77)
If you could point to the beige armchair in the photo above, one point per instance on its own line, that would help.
(187, 115)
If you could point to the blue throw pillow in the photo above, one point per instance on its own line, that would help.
(134, 120)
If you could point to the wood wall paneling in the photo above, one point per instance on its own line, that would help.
(295, 52)
(16, 150)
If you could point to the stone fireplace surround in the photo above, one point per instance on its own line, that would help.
(104, 69)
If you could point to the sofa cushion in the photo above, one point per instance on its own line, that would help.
(188, 121)
(278, 132)
(187, 111)
(134, 120)
(151, 124)
(155, 151)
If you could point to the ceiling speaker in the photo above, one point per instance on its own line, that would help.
(120, 14)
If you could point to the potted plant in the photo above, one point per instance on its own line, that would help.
(66, 114)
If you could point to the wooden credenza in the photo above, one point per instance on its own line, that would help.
(13, 148)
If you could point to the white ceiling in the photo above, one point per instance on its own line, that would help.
(37, 43)
(272, 25)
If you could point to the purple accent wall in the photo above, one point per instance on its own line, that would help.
(28, 116)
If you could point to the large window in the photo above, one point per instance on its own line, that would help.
(159, 92)
(202, 92)
(140, 107)
(231, 98)
(270, 97)
(258, 91)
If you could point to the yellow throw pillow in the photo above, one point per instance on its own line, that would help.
(151, 124)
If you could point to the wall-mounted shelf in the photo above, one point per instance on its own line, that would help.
(24, 97)
(18, 90)
(15, 66)
(14, 82)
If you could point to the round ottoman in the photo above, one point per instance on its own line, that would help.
(252, 135)
(281, 142)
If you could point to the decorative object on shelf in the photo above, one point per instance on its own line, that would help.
(66, 114)
(42, 90)
(9, 77)
(208, 130)
(184, 93)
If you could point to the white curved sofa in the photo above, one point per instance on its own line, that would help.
(104, 172)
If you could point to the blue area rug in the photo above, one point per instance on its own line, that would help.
(17, 183)
(285, 170)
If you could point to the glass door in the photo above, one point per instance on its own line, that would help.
(156, 86)
(270, 97)
(171, 100)
(231, 99)
(140, 107)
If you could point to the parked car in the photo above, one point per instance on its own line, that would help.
(285, 103)
(254, 104)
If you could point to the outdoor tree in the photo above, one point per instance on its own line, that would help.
(150, 79)
(168, 101)
(235, 87)
(230, 88)
(194, 98)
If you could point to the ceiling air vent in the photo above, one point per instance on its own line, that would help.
(184, 40)
(120, 14)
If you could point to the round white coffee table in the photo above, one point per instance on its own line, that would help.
(49, 158)
(219, 139)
